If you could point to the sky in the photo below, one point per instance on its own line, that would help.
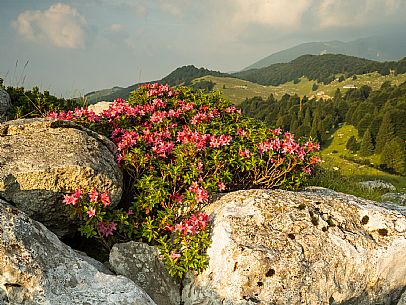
(73, 47)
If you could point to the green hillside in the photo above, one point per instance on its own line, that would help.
(237, 90)
(296, 77)
(181, 76)
(320, 68)
(343, 175)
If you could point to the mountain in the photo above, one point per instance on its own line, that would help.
(378, 48)
(320, 68)
(181, 76)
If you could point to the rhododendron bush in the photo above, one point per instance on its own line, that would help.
(176, 148)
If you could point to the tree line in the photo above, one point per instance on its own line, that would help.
(379, 117)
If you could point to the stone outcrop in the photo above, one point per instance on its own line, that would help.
(399, 198)
(41, 159)
(311, 247)
(140, 263)
(37, 268)
(378, 185)
(5, 104)
(99, 107)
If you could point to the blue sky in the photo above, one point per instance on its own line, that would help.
(76, 46)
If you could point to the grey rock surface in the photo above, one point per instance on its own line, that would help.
(37, 268)
(399, 198)
(41, 159)
(5, 104)
(140, 263)
(378, 184)
(310, 247)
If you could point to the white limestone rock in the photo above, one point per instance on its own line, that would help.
(311, 247)
(37, 268)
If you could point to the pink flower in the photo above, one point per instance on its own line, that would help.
(241, 132)
(176, 197)
(264, 147)
(276, 131)
(201, 194)
(174, 255)
(220, 141)
(221, 186)
(93, 195)
(105, 199)
(245, 153)
(106, 229)
(70, 199)
(73, 198)
(91, 212)
(169, 228)
(78, 193)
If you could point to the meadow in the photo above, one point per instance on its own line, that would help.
(343, 175)
(237, 90)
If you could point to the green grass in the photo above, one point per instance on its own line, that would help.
(343, 175)
(237, 90)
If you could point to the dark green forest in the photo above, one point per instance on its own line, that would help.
(320, 68)
(379, 116)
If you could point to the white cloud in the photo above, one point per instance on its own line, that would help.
(270, 12)
(116, 27)
(61, 25)
(348, 13)
(175, 8)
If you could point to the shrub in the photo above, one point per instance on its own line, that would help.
(33, 103)
(176, 147)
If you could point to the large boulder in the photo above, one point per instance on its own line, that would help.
(5, 104)
(311, 247)
(37, 268)
(41, 159)
(140, 263)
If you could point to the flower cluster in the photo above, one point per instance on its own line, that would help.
(190, 226)
(201, 194)
(90, 208)
(175, 148)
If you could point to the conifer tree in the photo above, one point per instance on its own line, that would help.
(308, 118)
(393, 155)
(363, 124)
(293, 126)
(385, 132)
(352, 144)
(367, 147)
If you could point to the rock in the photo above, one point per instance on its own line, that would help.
(399, 198)
(140, 263)
(402, 299)
(5, 104)
(311, 247)
(37, 268)
(41, 159)
(99, 107)
(377, 184)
